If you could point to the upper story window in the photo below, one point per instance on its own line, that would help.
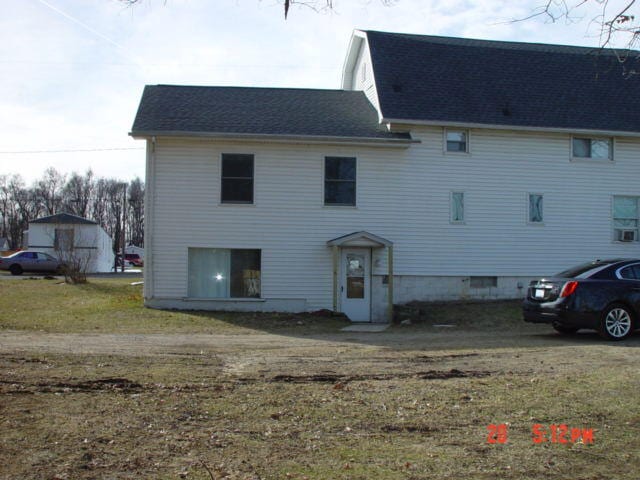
(340, 181)
(457, 207)
(456, 140)
(625, 218)
(536, 214)
(237, 178)
(595, 148)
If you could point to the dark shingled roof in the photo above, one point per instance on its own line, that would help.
(173, 109)
(442, 79)
(64, 218)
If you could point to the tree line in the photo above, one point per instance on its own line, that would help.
(107, 201)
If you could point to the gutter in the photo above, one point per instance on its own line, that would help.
(301, 139)
(583, 131)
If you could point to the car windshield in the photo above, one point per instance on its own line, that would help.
(583, 270)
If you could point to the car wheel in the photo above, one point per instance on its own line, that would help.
(617, 322)
(564, 329)
(15, 270)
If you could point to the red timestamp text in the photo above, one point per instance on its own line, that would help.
(561, 434)
(554, 433)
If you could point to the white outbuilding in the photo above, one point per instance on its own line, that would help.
(67, 235)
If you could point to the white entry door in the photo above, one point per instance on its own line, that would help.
(355, 289)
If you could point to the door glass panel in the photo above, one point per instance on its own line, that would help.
(355, 275)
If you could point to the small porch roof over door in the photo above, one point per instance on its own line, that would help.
(360, 239)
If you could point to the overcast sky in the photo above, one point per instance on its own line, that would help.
(72, 71)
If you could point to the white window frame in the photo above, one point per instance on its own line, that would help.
(529, 221)
(464, 213)
(612, 145)
(615, 229)
(466, 131)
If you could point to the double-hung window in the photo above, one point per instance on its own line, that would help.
(625, 218)
(224, 273)
(593, 148)
(340, 181)
(237, 178)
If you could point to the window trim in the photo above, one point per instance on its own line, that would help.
(528, 206)
(464, 213)
(446, 151)
(614, 237)
(221, 202)
(612, 148)
(619, 270)
(323, 176)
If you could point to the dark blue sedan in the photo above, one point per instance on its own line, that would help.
(602, 295)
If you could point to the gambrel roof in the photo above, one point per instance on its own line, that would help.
(454, 80)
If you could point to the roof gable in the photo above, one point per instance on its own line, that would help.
(452, 80)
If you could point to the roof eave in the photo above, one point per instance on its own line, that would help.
(306, 139)
(439, 123)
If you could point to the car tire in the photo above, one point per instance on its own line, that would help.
(564, 330)
(15, 270)
(617, 322)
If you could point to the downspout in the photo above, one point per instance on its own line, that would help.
(148, 219)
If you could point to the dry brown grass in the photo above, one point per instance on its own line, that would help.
(411, 403)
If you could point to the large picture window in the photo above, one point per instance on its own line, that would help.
(237, 178)
(339, 181)
(224, 273)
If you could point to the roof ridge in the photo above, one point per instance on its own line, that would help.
(235, 87)
(504, 44)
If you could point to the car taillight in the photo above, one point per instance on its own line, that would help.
(569, 289)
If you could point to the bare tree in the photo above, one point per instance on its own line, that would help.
(49, 189)
(316, 5)
(135, 212)
(77, 193)
(617, 20)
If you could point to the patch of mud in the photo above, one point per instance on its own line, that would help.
(438, 358)
(334, 378)
(113, 384)
(411, 428)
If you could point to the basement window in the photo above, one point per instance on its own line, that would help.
(483, 282)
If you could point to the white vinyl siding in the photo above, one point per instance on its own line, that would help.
(403, 195)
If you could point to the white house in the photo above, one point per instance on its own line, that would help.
(443, 168)
(64, 235)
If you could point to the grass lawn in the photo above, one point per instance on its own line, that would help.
(262, 397)
(114, 305)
